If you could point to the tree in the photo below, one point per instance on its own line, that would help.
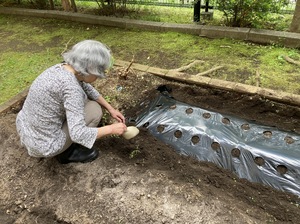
(66, 5)
(69, 5)
(295, 25)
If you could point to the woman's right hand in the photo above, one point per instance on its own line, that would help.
(118, 128)
(112, 129)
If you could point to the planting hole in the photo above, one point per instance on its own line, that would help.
(235, 152)
(178, 134)
(259, 161)
(282, 169)
(215, 146)
(189, 110)
(173, 107)
(146, 124)
(245, 127)
(206, 115)
(267, 134)
(289, 140)
(225, 120)
(160, 128)
(195, 139)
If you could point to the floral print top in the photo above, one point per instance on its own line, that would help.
(54, 97)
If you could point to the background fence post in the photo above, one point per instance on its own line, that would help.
(197, 6)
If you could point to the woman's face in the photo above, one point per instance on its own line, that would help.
(89, 78)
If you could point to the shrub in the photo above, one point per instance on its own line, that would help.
(248, 13)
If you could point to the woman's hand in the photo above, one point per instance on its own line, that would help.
(118, 128)
(117, 115)
(113, 112)
(112, 129)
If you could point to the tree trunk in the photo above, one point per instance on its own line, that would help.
(73, 4)
(295, 25)
(66, 5)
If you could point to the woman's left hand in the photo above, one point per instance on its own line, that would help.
(113, 112)
(117, 115)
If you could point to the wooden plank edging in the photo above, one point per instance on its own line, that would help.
(279, 96)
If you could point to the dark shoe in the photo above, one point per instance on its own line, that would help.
(77, 153)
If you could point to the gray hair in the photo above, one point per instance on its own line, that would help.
(89, 57)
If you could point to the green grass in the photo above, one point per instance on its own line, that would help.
(18, 70)
(30, 45)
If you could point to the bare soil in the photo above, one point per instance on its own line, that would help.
(143, 180)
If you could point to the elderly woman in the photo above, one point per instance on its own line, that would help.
(61, 113)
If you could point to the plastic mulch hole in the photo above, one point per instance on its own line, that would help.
(289, 140)
(146, 124)
(216, 146)
(172, 107)
(245, 127)
(259, 161)
(158, 106)
(206, 115)
(235, 152)
(189, 110)
(225, 120)
(282, 169)
(267, 134)
(195, 139)
(160, 128)
(178, 134)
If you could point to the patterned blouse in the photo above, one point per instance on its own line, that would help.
(54, 97)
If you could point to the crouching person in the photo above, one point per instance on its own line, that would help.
(61, 113)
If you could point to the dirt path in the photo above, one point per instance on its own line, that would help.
(143, 180)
